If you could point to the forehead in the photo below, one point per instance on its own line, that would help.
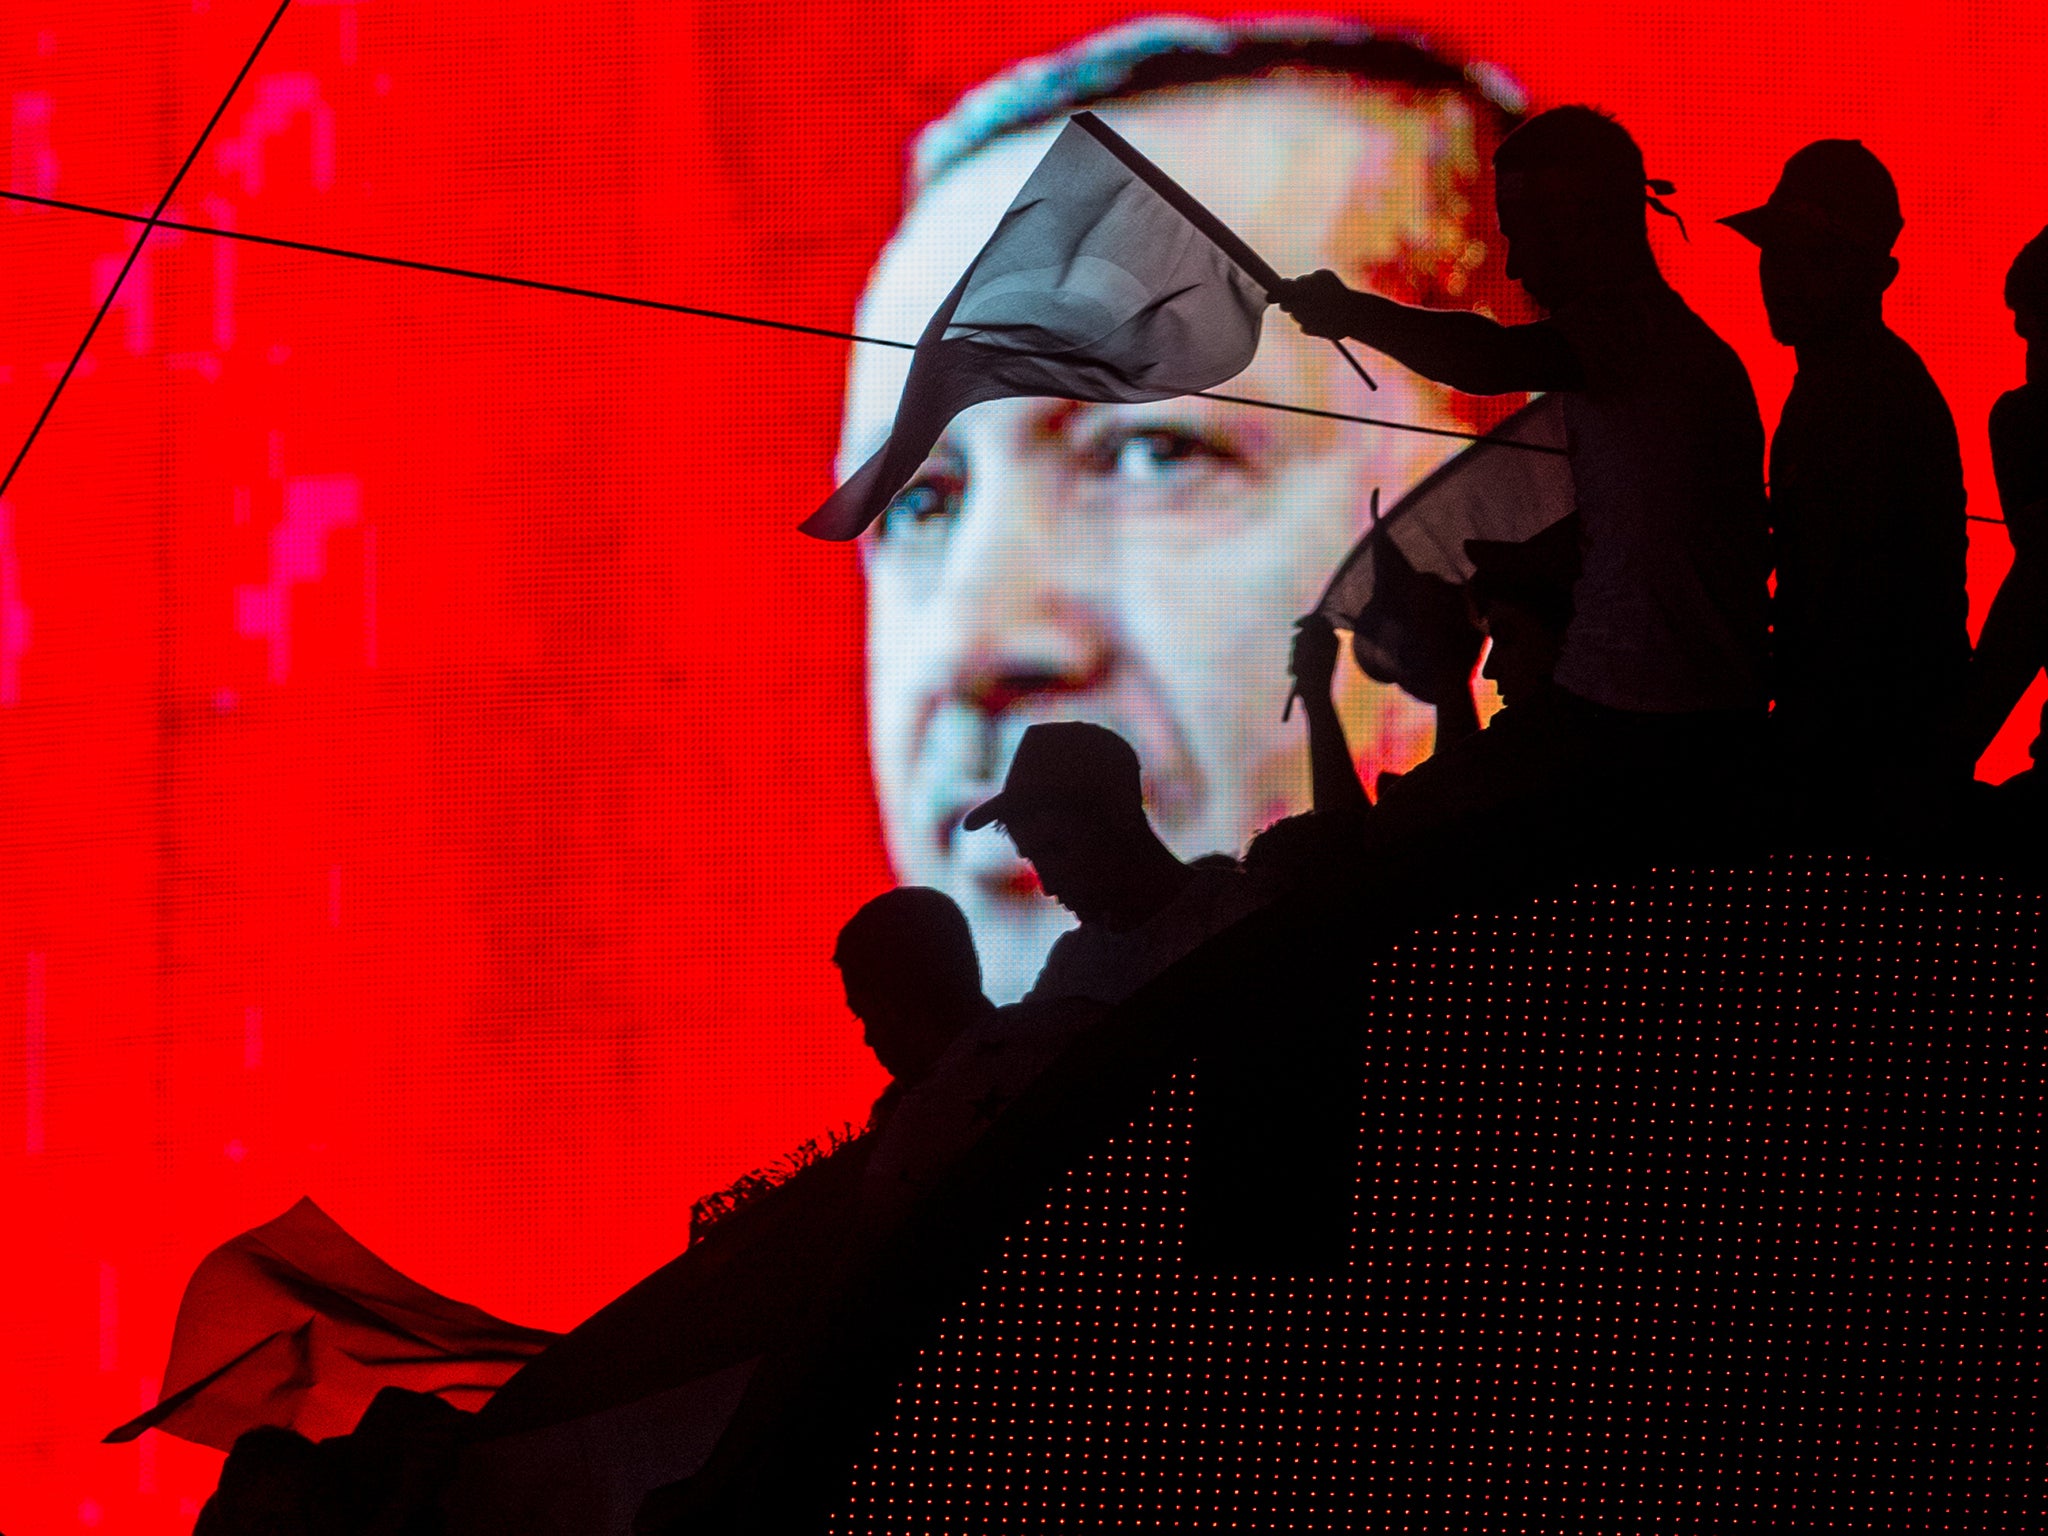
(1546, 193)
(1311, 172)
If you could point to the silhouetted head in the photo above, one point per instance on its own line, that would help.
(912, 977)
(1523, 595)
(1074, 805)
(2026, 295)
(1825, 239)
(1570, 188)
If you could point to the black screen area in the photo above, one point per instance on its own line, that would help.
(1698, 1202)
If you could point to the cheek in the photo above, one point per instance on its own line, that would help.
(898, 667)
(1208, 613)
(1790, 289)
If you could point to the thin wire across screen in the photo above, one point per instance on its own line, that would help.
(433, 769)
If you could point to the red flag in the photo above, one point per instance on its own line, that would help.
(298, 1325)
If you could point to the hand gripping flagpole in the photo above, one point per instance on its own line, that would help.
(1372, 521)
(1222, 235)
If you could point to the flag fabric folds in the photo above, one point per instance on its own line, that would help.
(298, 1325)
(1093, 287)
(1401, 590)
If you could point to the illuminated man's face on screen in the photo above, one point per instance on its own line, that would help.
(1140, 566)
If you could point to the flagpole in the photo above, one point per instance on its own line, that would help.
(1372, 517)
(1220, 234)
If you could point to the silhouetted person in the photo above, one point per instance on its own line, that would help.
(1073, 805)
(1521, 595)
(2013, 644)
(1866, 486)
(1662, 670)
(912, 978)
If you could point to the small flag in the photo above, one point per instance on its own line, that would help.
(1103, 282)
(1401, 590)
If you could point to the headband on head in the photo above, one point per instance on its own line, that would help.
(1654, 191)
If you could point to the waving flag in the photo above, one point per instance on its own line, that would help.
(1104, 281)
(297, 1324)
(1401, 590)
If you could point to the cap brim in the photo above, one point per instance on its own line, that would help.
(982, 815)
(1754, 224)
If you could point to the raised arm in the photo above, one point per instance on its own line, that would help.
(1467, 351)
(1332, 774)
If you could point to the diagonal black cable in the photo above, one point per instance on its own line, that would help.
(410, 265)
(538, 285)
(148, 224)
(572, 291)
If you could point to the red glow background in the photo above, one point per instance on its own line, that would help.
(431, 767)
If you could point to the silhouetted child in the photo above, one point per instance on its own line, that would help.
(2013, 645)
(1867, 507)
(1662, 670)
(1073, 804)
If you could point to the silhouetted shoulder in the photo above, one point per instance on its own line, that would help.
(1894, 366)
(1096, 963)
(1667, 453)
(1627, 337)
(2019, 413)
(2019, 459)
(971, 1087)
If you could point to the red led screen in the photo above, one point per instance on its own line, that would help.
(433, 768)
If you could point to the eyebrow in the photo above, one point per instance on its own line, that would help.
(1068, 409)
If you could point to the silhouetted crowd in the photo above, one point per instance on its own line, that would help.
(1657, 684)
(1659, 695)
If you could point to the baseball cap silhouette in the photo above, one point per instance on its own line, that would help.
(1065, 762)
(1833, 187)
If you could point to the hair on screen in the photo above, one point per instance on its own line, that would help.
(1156, 53)
(1447, 254)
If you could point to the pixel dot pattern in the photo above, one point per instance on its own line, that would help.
(1700, 1202)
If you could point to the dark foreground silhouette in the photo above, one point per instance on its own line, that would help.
(1765, 1128)
(1691, 1188)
